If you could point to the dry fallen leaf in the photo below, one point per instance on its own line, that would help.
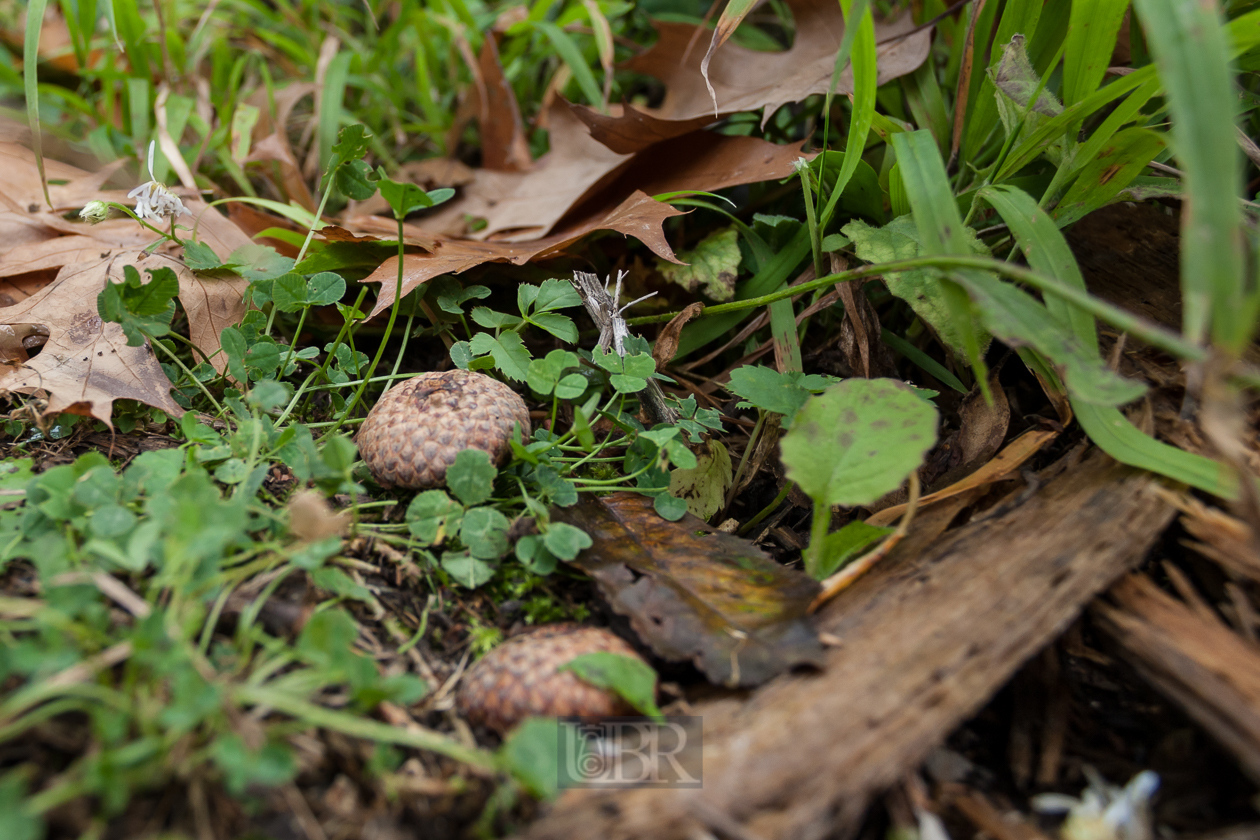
(639, 216)
(85, 364)
(519, 206)
(694, 593)
(311, 518)
(748, 80)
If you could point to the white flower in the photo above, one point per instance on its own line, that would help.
(153, 200)
(94, 212)
(1105, 812)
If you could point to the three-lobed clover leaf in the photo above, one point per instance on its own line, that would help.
(547, 375)
(292, 292)
(629, 373)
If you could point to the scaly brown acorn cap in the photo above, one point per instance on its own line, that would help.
(416, 429)
(519, 678)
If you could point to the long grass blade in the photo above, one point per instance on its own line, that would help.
(30, 81)
(1092, 30)
(1048, 253)
(1189, 46)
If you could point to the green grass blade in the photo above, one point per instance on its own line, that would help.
(932, 367)
(1091, 37)
(1190, 48)
(860, 39)
(1034, 144)
(330, 109)
(1125, 442)
(1019, 17)
(1048, 253)
(572, 56)
(129, 27)
(30, 81)
(1102, 179)
(940, 227)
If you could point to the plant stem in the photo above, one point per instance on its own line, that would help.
(767, 510)
(1147, 331)
(817, 536)
(380, 351)
(217, 406)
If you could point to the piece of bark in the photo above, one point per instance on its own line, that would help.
(1201, 665)
(926, 639)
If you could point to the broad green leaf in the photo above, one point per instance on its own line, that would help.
(484, 532)
(432, 516)
(16, 821)
(531, 753)
(259, 262)
(471, 476)
(565, 541)
(507, 350)
(490, 319)
(782, 393)
(841, 546)
(630, 677)
(141, 309)
(858, 440)
(561, 326)
(712, 265)
(668, 507)
(355, 180)
(553, 294)
(466, 570)
(545, 374)
(200, 257)
(921, 288)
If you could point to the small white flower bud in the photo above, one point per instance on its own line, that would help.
(94, 212)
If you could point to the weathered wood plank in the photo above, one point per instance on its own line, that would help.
(927, 638)
(1210, 671)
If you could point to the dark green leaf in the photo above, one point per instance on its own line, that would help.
(471, 476)
(630, 677)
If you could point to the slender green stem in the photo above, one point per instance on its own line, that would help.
(767, 510)
(817, 536)
(322, 369)
(319, 214)
(361, 727)
(217, 406)
(743, 461)
(380, 351)
(297, 333)
(1138, 326)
